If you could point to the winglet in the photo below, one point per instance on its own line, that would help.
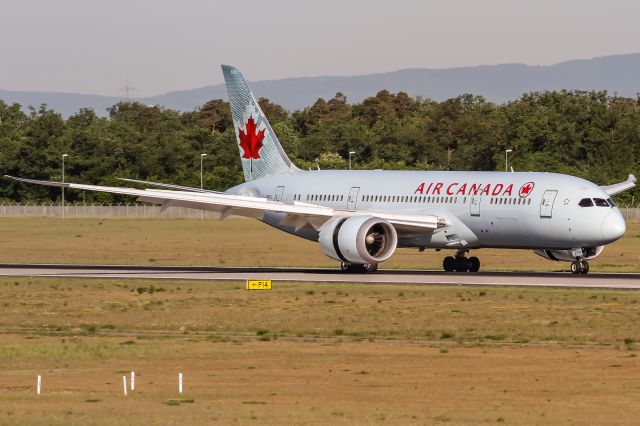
(617, 188)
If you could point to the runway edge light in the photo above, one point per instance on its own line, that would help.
(258, 284)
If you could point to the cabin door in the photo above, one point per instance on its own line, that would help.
(546, 205)
(475, 205)
(279, 191)
(353, 198)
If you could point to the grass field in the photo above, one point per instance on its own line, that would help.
(237, 242)
(303, 353)
(316, 353)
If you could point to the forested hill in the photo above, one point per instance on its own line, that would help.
(588, 134)
(497, 83)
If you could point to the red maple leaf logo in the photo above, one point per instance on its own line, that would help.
(251, 142)
(526, 189)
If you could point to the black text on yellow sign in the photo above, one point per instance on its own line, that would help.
(258, 284)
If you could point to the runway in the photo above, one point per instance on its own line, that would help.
(385, 276)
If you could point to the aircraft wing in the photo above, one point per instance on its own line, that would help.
(616, 188)
(298, 214)
(170, 186)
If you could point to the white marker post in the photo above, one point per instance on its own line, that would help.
(39, 385)
(179, 382)
(124, 384)
(133, 380)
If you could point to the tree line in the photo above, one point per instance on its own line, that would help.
(589, 134)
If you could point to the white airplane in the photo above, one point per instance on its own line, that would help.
(360, 217)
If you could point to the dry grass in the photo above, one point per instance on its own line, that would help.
(235, 242)
(280, 382)
(320, 309)
(301, 353)
(315, 353)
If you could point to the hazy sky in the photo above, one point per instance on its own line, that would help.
(92, 46)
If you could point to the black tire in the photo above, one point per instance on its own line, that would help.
(370, 267)
(461, 264)
(358, 268)
(585, 267)
(474, 264)
(345, 267)
(575, 268)
(449, 264)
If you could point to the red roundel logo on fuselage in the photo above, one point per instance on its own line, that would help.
(526, 189)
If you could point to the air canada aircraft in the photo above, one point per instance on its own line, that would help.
(360, 217)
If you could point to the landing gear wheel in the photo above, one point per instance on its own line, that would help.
(474, 264)
(575, 267)
(370, 267)
(358, 268)
(449, 264)
(584, 267)
(461, 264)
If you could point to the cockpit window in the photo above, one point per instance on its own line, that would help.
(611, 203)
(586, 202)
(601, 202)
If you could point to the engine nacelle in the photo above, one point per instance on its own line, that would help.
(358, 239)
(566, 255)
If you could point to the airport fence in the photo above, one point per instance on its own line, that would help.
(147, 211)
(630, 213)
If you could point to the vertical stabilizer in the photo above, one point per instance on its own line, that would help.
(260, 151)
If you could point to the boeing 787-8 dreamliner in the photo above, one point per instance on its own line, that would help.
(360, 217)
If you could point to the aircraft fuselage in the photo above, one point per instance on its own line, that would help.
(527, 210)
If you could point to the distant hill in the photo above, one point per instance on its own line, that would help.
(497, 83)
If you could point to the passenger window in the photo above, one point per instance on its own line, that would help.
(586, 202)
(601, 202)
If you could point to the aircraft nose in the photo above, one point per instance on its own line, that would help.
(613, 226)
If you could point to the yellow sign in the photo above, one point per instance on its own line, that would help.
(258, 284)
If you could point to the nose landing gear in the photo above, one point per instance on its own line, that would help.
(460, 263)
(579, 266)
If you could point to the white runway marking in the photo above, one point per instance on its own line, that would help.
(526, 279)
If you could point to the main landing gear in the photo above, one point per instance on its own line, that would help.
(358, 268)
(460, 263)
(579, 266)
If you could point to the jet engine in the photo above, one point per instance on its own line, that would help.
(566, 255)
(358, 239)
